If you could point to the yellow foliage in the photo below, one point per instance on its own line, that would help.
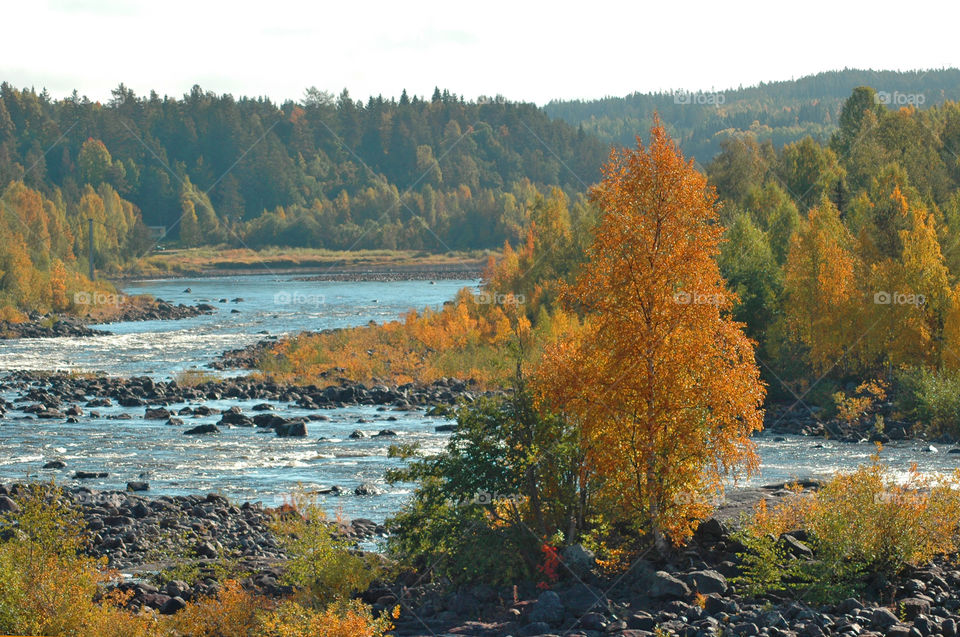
(344, 618)
(232, 612)
(661, 381)
(869, 517)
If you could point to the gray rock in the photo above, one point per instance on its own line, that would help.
(206, 549)
(55, 464)
(536, 628)
(138, 486)
(295, 429)
(202, 429)
(579, 559)
(707, 582)
(548, 609)
(913, 607)
(368, 488)
(663, 585)
(795, 547)
(89, 475)
(7, 505)
(172, 605)
(884, 618)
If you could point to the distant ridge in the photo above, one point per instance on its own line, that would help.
(780, 111)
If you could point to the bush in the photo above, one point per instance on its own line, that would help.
(232, 612)
(343, 618)
(509, 480)
(932, 398)
(47, 586)
(862, 523)
(321, 565)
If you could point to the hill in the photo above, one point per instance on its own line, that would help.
(323, 172)
(779, 112)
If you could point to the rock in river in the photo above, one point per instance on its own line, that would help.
(202, 429)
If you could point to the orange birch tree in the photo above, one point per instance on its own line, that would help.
(662, 382)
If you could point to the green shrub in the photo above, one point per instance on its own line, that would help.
(862, 524)
(47, 586)
(509, 480)
(322, 566)
(932, 398)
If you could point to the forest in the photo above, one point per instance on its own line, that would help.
(414, 173)
(779, 112)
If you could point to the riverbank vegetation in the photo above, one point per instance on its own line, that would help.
(842, 257)
(862, 529)
(48, 586)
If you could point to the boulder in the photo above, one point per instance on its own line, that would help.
(172, 606)
(707, 581)
(138, 486)
(579, 559)
(202, 429)
(89, 475)
(913, 607)
(547, 609)
(7, 505)
(293, 429)
(663, 585)
(368, 488)
(55, 464)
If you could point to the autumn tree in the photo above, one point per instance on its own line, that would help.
(823, 304)
(662, 381)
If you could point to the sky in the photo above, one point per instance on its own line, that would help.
(525, 51)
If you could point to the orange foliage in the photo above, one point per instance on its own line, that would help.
(662, 382)
(465, 339)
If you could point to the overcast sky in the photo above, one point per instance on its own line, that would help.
(524, 51)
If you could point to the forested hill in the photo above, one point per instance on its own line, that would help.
(781, 112)
(421, 173)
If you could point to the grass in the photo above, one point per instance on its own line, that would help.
(207, 260)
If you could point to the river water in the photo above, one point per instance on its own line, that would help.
(247, 465)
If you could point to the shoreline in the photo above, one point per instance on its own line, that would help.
(204, 262)
(692, 591)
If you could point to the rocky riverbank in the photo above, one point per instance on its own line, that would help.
(465, 272)
(689, 593)
(881, 423)
(53, 325)
(40, 392)
(157, 310)
(692, 592)
(141, 536)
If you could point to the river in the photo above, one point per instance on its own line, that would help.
(246, 465)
